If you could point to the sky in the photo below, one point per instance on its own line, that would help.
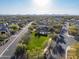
(39, 7)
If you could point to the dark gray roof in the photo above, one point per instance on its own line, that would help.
(4, 28)
(42, 30)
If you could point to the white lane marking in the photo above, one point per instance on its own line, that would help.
(14, 40)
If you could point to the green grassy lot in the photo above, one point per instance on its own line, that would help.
(37, 44)
(37, 41)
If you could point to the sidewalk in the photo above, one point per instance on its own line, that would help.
(48, 44)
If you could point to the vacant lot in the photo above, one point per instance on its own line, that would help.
(36, 45)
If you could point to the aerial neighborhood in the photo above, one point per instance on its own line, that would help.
(39, 29)
(38, 36)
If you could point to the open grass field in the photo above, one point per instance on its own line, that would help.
(37, 44)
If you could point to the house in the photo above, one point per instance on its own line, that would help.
(44, 30)
(4, 29)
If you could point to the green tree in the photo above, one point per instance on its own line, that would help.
(14, 27)
(20, 50)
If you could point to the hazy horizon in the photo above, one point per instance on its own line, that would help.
(38, 7)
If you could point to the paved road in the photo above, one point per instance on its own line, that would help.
(8, 49)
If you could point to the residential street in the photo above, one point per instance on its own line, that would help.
(8, 49)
